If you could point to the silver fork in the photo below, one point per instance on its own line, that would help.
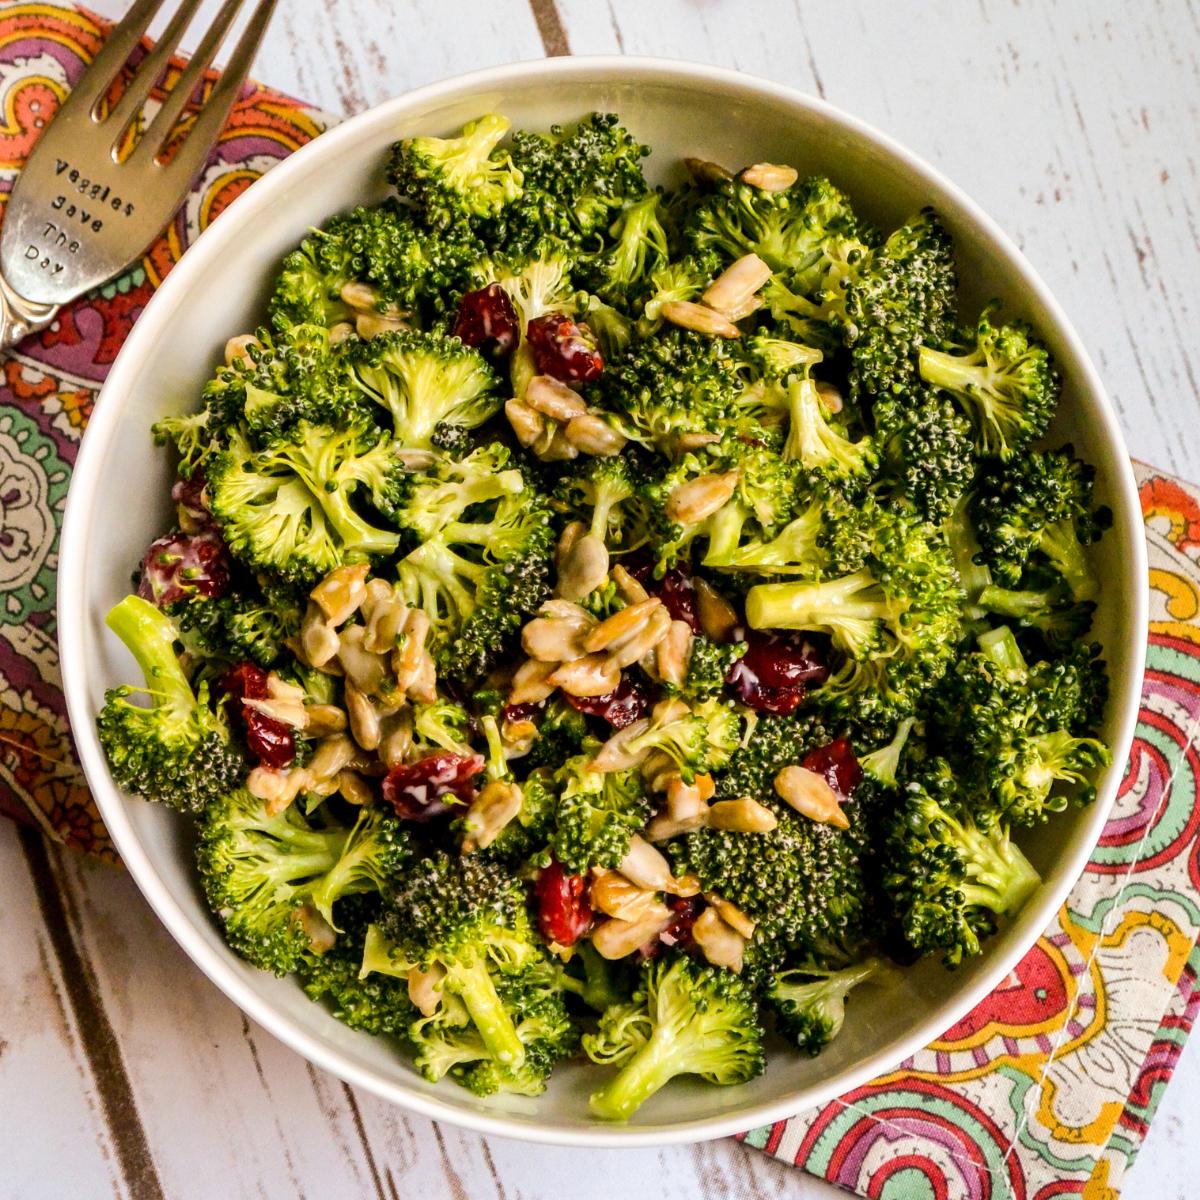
(77, 216)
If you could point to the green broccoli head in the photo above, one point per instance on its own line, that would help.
(483, 563)
(377, 847)
(808, 232)
(607, 495)
(176, 750)
(1025, 734)
(575, 183)
(289, 509)
(809, 1001)
(697, 739)
(408, 267)
(708, 667)
(460, 180)
(259, 872)
(1003, 378)
(947, 878)
(802, 883)
(674, 383)
(926, 452)
(675, 281)
(596, 814)
(466, 917)
(895, 620)
(1035, 518)
(623, 273)
(561, 733)
(425, 382)
(247, 622)
(684, 1019)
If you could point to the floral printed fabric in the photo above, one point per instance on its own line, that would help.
(1046, 1089)
(49, 384)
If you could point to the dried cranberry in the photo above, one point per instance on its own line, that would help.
(563, 348)
(518, 712)
(564, 914)
(626, 703)
(181, 565)
(837, 764)
(191, 503)
(246, 681)
(270, 741)
(678, 594)
(776, 671)
(679, 931)
(427, 788)
(487, 320)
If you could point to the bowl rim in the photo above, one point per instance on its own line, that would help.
(218, 964)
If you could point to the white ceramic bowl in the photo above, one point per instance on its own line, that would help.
(118, 503)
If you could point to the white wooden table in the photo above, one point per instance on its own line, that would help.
(122, 1070)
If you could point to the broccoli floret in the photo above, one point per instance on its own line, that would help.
(816, 442)
(407, 267)
(1038, 513)
(900, 298)
(575, 183)
(1059, 620)
(708, 668)
(377, 1003)
(561, 732)
(697, 740)
(467, 918)
(607, 494)
(442, 725)
(883, 764)
(483, 564)
(1023, 731)
(175, 750)
(1003, 378)
(947, 878)
(809, 1001)
(683, 280)
(597, 814)
(926, 451)
(807, 232)
(259, 872)
(425, 382)
(377, 847)
(287, 509)
(460, 180)
(674, 383)
(613, 329)
(622, 273)
(245, 623)
(802, 883)
(684, 1019)
(895, 620)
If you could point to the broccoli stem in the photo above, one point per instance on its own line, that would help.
(1060, 544)
(884, 763)
(1000, 645)
(850, 605)
(954, 372)
(964, 545)
(472, 983)
(653, 1066)
(999, 876)
(1010, 602)
(150, 635)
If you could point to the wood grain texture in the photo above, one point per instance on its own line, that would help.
(1073, 122)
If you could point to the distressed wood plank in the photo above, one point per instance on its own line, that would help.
(50, 1109)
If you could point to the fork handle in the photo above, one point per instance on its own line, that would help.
(20, 317)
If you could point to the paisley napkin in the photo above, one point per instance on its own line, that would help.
(1046, 1089)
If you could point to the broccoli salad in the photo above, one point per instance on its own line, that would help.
(611, 621)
